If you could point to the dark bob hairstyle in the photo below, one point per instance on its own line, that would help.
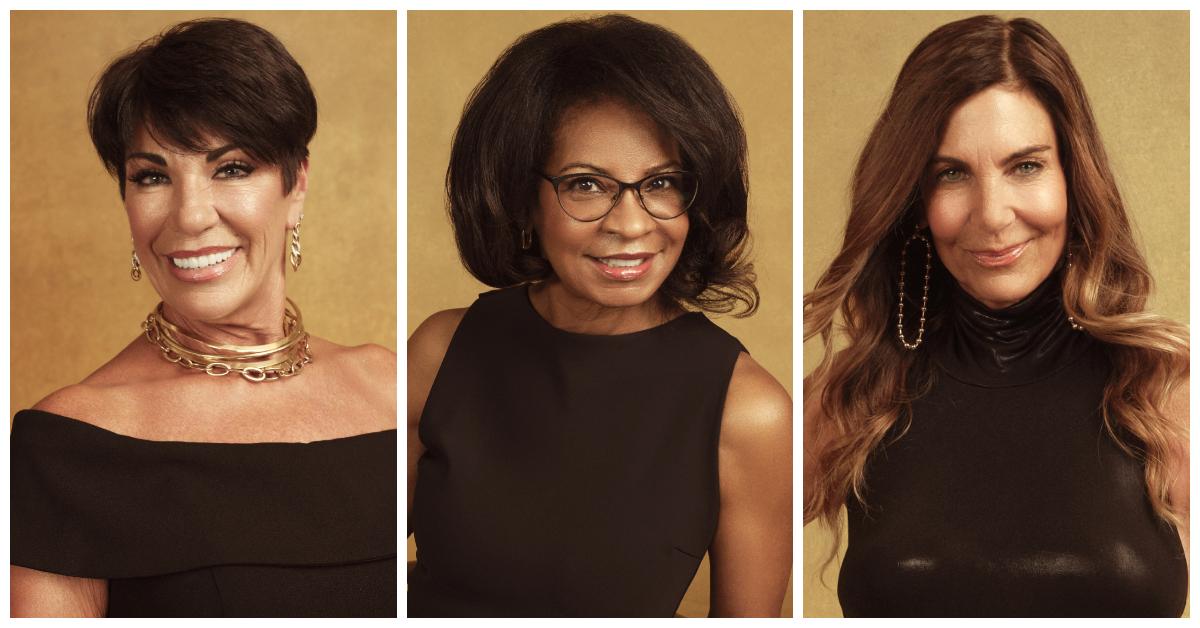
(201, 79)
(507, 130)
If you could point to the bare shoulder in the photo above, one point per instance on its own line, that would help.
(75, 401)
(427, 345)
(751, 553)
(758, 410)
(426, 348)
(370, 360)
(368, 370)
(103, 398)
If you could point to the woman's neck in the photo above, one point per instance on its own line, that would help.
(577, 314)
(255, 325)
(1014, 345)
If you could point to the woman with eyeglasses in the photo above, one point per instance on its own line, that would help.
(580, 437)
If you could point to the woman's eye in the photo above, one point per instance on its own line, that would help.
(148, 178)
(1028, 167)
(661, 183)
(234, 170)
(951, 175)
(585, 185)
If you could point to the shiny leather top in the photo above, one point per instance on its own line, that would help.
(1005, 496)
(1020, 344)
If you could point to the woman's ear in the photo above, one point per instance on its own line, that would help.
(297, 195)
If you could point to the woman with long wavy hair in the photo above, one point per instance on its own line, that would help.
(1004, 423)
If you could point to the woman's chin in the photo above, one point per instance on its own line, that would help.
(625, 295)
(1002, 293)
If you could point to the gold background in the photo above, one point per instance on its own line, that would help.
(73, 304)
(751, 52)
(1134, 66)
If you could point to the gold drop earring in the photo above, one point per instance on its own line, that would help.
(295, 253)
(135, 265)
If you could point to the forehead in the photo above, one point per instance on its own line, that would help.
(997, 120)
(610, 133)
(146, 139)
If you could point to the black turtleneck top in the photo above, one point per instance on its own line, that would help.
(1006, 496)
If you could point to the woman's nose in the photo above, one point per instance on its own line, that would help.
(993, 204)
(193, 208)
(628, 218)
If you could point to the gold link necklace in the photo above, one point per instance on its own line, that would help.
(256, 363)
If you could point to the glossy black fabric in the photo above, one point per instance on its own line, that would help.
(208, 529)
(567, 474)
(1006, 497)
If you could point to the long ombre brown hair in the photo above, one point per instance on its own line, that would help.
(864, 388)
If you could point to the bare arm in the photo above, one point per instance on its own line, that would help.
(426, 348)
(34, 593)
(752, 552)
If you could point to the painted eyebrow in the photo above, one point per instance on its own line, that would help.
(666, 165)
(1019, 154)
(211, 156)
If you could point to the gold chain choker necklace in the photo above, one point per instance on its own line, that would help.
(256, 363)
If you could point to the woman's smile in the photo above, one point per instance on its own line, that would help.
(204, 264)
(624, 266)
(1000, 257)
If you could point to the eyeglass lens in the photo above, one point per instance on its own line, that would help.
(590, 196)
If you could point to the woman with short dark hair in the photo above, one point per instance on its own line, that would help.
(582, 436)
(250, 472)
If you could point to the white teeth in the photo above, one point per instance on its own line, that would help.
(621, 263)
(201, 261)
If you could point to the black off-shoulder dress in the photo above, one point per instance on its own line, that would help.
(182, 529)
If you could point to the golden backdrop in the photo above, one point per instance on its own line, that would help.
(73, 305)
(751, 52)
(1135, 68)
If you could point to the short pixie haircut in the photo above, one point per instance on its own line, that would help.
(206, 78)
(507, 133)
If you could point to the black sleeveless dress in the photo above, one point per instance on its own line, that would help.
(185, 529)
(567, 474)
(1006, 497)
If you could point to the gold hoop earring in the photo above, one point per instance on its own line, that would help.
(135, 265)
(924, 292)
(526, 239)
(295, 253)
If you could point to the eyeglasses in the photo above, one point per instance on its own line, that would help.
(588, 197)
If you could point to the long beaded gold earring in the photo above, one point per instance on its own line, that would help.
(911, 346)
